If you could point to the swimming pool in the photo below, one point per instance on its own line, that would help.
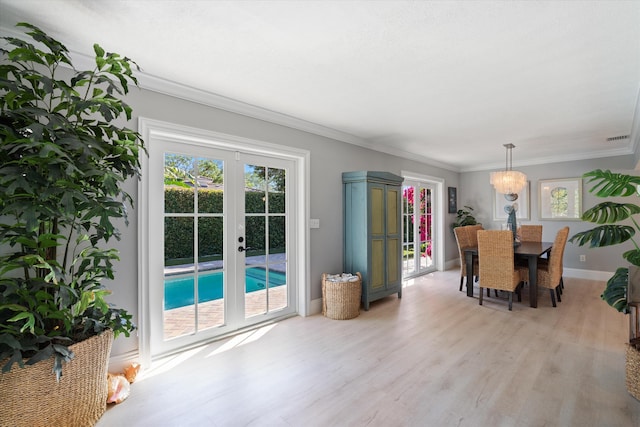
(178, 291)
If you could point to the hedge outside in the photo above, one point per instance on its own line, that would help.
(179, 230)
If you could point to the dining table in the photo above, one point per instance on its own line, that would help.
(531, 251)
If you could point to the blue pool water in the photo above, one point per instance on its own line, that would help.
(178, 292)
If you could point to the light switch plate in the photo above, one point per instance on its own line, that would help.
(314, 223)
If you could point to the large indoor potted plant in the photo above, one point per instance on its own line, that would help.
(617, 224)
(63, 160)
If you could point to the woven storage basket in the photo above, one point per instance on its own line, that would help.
(31, 396)
(633, 371)
(341, 300)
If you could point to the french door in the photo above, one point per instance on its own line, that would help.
(221, 252)
(418, 229)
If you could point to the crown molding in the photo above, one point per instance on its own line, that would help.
(188, 93)
(192, 94)
(624, 151)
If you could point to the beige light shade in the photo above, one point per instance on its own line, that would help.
(508, 182)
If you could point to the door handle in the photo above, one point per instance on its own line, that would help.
(242, 249)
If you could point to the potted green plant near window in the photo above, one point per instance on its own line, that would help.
(464, 217)
(63, 160)
(617, 224)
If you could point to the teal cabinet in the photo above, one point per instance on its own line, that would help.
(373, 232)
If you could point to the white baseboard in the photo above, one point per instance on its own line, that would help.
(454, 263)
(118, 362)
(578, 273)
(587, 274)
(316, 306)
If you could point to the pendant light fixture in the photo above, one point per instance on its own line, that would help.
(508, 181)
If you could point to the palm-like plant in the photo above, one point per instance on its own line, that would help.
(610, 232)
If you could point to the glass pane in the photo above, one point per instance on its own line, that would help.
(210, 299)
(179, 310)
(211, 275)
(408, 246)
(277, 243)
(276, 199)
(255, 291)
(210, 185)
(408, 259)
(178, 183)
(255, 189)
(407, 200)
(559, 201)
(178, 241)
(423, 226)
(255, 237)
(426, 222)
(210, 242)
(179, 289)
(277, 279)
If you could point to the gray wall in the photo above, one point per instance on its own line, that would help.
(478, 193)
(329, 158)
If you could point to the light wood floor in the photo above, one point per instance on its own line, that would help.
(433, 358)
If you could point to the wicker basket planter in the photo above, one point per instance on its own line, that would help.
(30, 396)
(341, 300)
(633, 371)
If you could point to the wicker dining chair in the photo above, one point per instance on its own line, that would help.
(530, 233)
(466, 237)
(562, 262)
(473, 233)
(496, 267)
(550, 270)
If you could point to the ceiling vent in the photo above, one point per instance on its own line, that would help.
(617, 138)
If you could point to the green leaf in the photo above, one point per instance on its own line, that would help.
(9, 340)
(29, 324)
(13, 307)
(57, 367)
(98, 50)
(43, 354)
(31, 220)
(633, 256)
(15, 358)
(610, 212)
(615, 292)
(68, 203)
(604, 235)
(609, 184)
(64, 351)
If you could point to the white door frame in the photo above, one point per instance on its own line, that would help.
(437, 208)
(418, 186)
(155, 130)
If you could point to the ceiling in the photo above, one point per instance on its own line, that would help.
(446, 82)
